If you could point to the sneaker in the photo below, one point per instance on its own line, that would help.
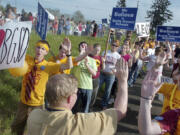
(111, 101)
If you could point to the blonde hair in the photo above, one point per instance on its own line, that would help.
(60, 87)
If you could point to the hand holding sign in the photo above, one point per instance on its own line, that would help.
(19, 71)
(14, 40)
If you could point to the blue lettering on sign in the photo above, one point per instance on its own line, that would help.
(104, 20)
(42, 22)
(123, 18)
(168, 33)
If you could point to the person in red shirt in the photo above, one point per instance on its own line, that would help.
(100, 62)
(30, 17)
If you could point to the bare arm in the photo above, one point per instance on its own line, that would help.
(148, 90)
(145, 124)
(82, 56)
(130, 62)
(69, 64)
(103, 63)
(142, 57)
(122, 94)
(90, 69)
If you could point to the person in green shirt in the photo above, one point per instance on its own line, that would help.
(84, 71)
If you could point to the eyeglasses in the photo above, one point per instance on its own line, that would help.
(115, 45)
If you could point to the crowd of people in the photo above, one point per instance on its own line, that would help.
(12, 15)
(58, 95)
(63, 104)
(68, 26)
(62, 25)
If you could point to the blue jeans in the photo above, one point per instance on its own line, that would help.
(95, 91)
(108, 80)
(60, 29)
(84, 96)
(134, 72)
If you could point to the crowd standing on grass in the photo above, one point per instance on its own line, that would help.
(62, 25)
(58, 95)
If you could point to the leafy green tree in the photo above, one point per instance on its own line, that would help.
(159, 13)
(78, 16)
(121, 3)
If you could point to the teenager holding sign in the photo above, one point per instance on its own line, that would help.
(34, 82)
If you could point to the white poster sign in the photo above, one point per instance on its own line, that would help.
(14, 40)
(143, 29)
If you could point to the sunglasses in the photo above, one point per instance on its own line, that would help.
(115, 45)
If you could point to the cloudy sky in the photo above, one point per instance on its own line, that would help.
(94, 9)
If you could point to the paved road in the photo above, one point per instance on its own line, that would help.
(128, 126)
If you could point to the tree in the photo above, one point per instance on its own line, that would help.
(78, 16)
(159, 14)
(121, 3)
(55, 12)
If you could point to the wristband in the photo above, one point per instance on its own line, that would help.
(146, 98)
(68, 55)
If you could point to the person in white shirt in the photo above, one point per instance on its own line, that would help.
(107, 75)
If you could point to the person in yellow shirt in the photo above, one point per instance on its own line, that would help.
(151, 43)
(62, 58)
(58, 119)
(34, 82)
(171, 93)
(146, 44)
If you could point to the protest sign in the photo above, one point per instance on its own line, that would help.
(104, 20)
(14, 39)
(143, 29)
(168, 33)
(42, 22)
(123, 18)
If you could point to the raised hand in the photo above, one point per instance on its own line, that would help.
(67, 44)
(161, 58)
(103, 59)
(89, 49)
(150, 84)
(121, 69)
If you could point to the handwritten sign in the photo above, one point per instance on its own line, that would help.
(14, 40)
(168, 33)
(42, 22)
(143, 29)
(123, 18)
